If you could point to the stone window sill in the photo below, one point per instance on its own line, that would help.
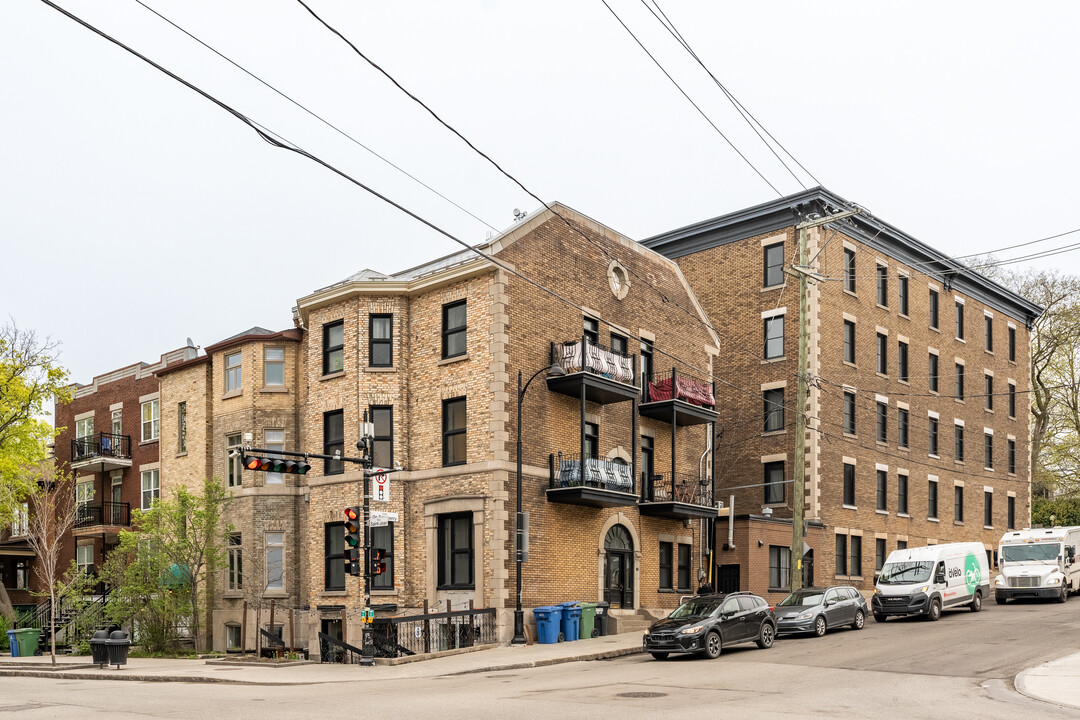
(851, 365)
(958, 522)
(232, 394)
(767, 361)
(384, 593)
(181, 454)
(934, 329)
(452, 360)
(380, 369)
(149, 442)
(772, 287)
(882, 512)
(274, 389)
(333, 375)
(903, 515)
(773, 433)
(930, 519)
(850, 507)
(334, 593)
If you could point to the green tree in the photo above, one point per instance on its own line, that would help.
(1060, 511)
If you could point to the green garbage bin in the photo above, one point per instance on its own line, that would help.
(28, 641)
(588, 616)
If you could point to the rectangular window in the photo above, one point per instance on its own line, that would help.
(931, 500)
(883, 286)
(882, 354)
(932, 372)
(989, 321)
(988, 509)
(619, 344)
(882, 490)
(334, 556)
(903, 294)
(275, 442)
(841, 554)
(118, 422)
(666, 566)
(233, 638)
(882, 422)
(274, 367)
(20, 526)
(988, 391)
(934, 309)
(591, 330)
(849, 413)
(84, 558)
(84, 492)
(151, 488)
(958, 445)
(879, 554)
(454, 435)
(333, 441)
(592, 440)
(381, 341)
(1012, 512)
(774, 264)
(455, 551)
(1012, 400)
(849, 484)
(684, 568)
(774, 410)
(646, 362)
(234, 462)
(1012, 457)
(958, 503)
(275, 560)
(902, 361)
(233, 372)
(383, 538)
(454, 329)
(959, 320)
(151, 419)
(647, 460)
(84, 428)
(932, 442)
(849, 270)
(856, 555)
(382, 449)
(774, 337)
(181, 427)
(901, 544)
(902, 427)
(235, 560)
(901, 495)
(959, 381)
(779, 568)
(849, 341)
(333, 352)
(774, 482)
(1012, 344)
(988, 451)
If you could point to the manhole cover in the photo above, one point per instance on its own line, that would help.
(642, 694)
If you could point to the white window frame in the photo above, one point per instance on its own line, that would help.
(150, 483)
(81, 551)
(20, 526)
(234, 568)
(235, 465)
(151, 426)
(274, 440)
(84, 492)
(275, 543)
(234, 375)
(84, 428)
(268, 361)
(118, 422)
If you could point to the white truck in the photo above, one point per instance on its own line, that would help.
(927, 580)
(1038, 563)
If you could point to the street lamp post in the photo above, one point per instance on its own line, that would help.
(519, 614)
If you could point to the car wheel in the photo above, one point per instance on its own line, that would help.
(878, 617)
(860, 620)
(819, 625)
(713, 645)
(976, 602)
(1064, 595)
(935, 610)
(766, 636)
(659, 656)
(999, 599)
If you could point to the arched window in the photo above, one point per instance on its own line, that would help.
(618, 538)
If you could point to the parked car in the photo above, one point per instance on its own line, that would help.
(926, 580)
(817, 610)
(708, 623)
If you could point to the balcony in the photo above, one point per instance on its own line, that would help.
(107, 518)
(593, 372)
(598, 483)
(678, 496)
(679, 399)
(101, 452)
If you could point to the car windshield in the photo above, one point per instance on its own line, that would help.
(1030, 551)
(696, 608)
(804, 597)
(905, 573)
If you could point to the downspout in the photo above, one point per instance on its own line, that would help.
(703, 530)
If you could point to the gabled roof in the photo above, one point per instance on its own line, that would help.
(256, 330)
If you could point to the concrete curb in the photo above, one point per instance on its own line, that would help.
(1020, 682)
(543, 662)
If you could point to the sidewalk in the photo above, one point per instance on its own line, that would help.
(199, 671)
(1053, 682)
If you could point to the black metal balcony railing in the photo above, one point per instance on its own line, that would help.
(567, 471)
(102, 444)
(679, 386)
(584, 355)
(678, 487)
(110, 513)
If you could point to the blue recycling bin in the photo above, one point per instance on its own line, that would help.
(13, 642)
(571, 620)
(548, 618)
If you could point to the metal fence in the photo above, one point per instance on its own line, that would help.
(679, 487)
(102, 444)
(433, 632)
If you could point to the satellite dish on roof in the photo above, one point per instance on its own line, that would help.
(190, 342)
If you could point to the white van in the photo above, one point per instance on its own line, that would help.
(927, 580)
(1038, 563)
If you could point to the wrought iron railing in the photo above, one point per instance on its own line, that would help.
(679, 386)
(585, 355)
(71, 612)
(433, 632)
(567, 471)
(678, 487)
(108, 513)
(102, 444)
(332, 650)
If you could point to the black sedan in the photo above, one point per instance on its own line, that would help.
(708, 623)
(816, 610)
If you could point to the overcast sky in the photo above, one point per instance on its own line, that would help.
(135, 213)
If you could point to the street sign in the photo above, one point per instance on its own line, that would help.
(380, 487)
(382, 519)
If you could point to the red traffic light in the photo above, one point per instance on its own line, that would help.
(378, 565)
(352, 513)
(252, 463)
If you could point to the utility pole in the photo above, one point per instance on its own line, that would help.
(805, 274)
(365, 446)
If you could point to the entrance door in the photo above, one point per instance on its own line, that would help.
(728, 580)
(619, 568)
(331, 653)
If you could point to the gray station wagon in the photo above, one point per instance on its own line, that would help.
(817, 610)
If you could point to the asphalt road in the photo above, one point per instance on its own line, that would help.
(961, 666)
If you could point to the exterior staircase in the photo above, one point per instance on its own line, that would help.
(626, 621)
(90, 613)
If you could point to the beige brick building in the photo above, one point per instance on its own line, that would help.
(918, 410)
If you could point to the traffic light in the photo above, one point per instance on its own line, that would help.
(352, 540)
(275, 464)
(378, 561)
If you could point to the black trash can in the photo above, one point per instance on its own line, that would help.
(601, 621)
(99, 649)
(118, 645)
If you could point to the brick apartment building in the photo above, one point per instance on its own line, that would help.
(918, 412)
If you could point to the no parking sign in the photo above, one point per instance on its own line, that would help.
(380, 487)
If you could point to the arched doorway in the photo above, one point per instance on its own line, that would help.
(619, 567)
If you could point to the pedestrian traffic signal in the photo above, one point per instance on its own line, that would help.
(378, 561)
(352, 540)
(275, 464)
